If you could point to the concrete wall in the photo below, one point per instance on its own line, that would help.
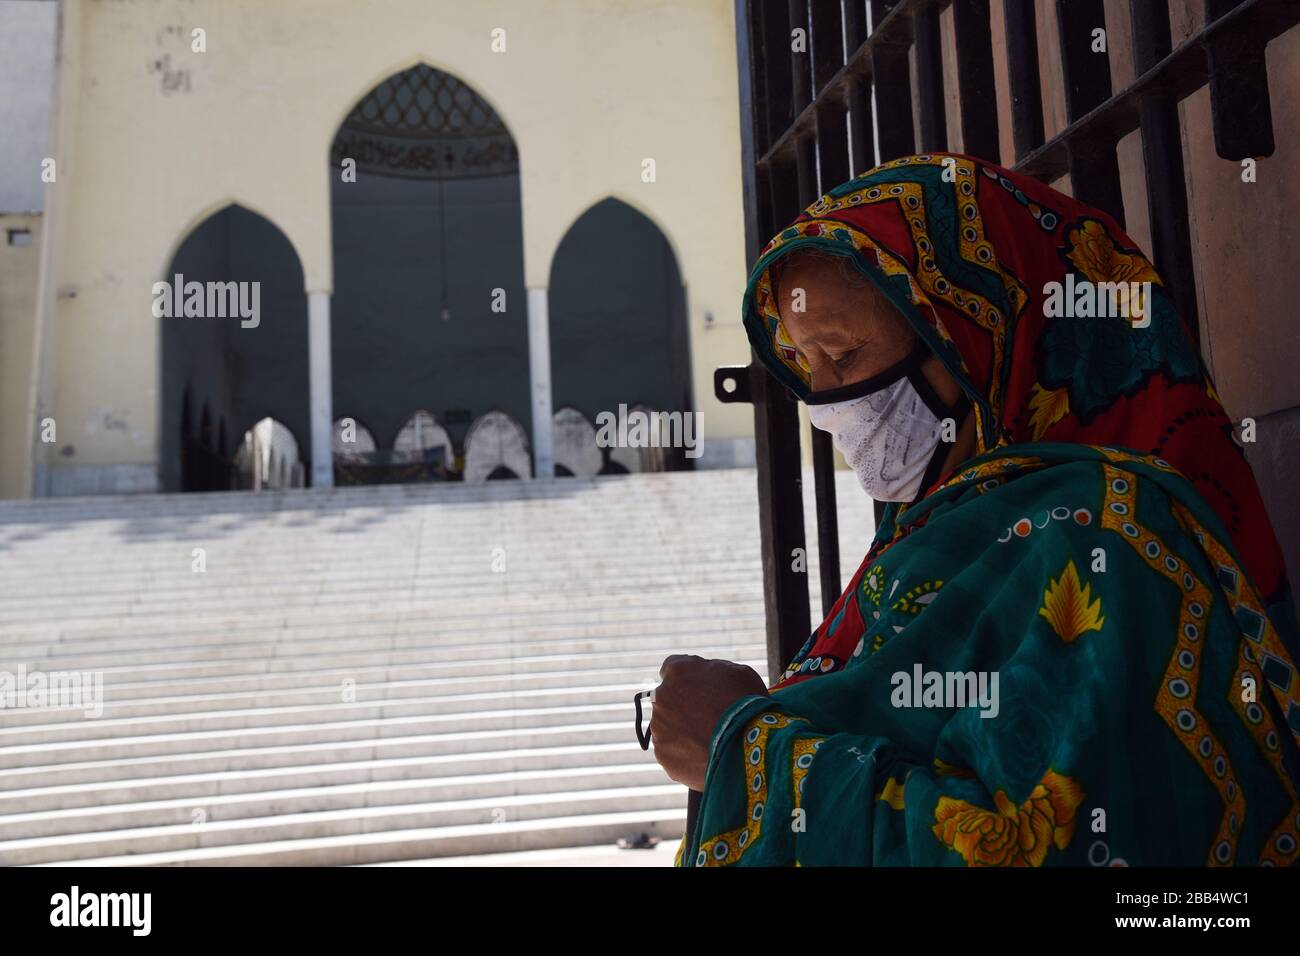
(152, 138)
(27, 35)
(26, 79)
(19, 265)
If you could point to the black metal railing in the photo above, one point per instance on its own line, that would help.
(809, 118)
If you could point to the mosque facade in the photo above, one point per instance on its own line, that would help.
(316, 242)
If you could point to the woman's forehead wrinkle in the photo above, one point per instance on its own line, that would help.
(833, 320)
(830, 334)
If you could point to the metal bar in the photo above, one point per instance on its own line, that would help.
(762, 186)
(800, 60)
(1239, 100)
(861, 138)
(775, 80)
(881, 9)
(759, 107)
(828, 520)
(783, 191)
(827, 42)
(977, 99)
(855, 26)
(1151, 35)
(828, 534)
(1092, 159)
(781, 519)
(731, 384)
(1094, 175)
(1162, 154)
(776, 421)
(1217, 8)
(891, 73)
(893, 29)
(805, 165)
(1086, 73)
(1184, 72)
(929, 80)
(1022, 67)
(1171, 246)
(833, 166)
(1181, 73)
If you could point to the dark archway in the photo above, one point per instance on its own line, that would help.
(618, 318)
(236, 368)
(427, 240)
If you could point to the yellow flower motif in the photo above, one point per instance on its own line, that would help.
(1066, 606)
(892, 793)
(1048, 406)
(1011, 835)
(1094, 254)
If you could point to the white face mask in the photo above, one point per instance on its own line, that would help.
(890, 435)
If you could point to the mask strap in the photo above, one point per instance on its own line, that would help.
(957, 413)
(908, 367)
(937, 405)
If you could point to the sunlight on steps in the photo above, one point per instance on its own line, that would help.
(368, 675)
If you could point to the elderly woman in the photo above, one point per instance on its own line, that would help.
(1071, 641)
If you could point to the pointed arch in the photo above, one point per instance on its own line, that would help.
(422, 242)
(618, 318)
(238, 368)
(632, 202)
(363, 443)
(377, 77)
(269, 456)
(207, 212)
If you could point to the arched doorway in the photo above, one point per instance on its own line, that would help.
(429, 309)
(269, 458)
(352, 440)
(233, 319)
(496, 448)
(618, 318)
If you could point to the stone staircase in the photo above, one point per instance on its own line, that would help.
(369, 674)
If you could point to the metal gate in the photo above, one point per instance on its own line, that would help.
(809, 120)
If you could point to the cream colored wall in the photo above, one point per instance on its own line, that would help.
(589, 89)
(18, 273)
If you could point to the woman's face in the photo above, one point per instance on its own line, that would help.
(845, 328)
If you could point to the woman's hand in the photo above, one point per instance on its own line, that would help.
(688, 704)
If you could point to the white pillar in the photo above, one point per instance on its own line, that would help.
(322, 384)
(539, 375)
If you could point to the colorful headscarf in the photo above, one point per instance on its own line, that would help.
(969, 253)
(1104, 561)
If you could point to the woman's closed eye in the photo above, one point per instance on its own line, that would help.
(847, 360)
